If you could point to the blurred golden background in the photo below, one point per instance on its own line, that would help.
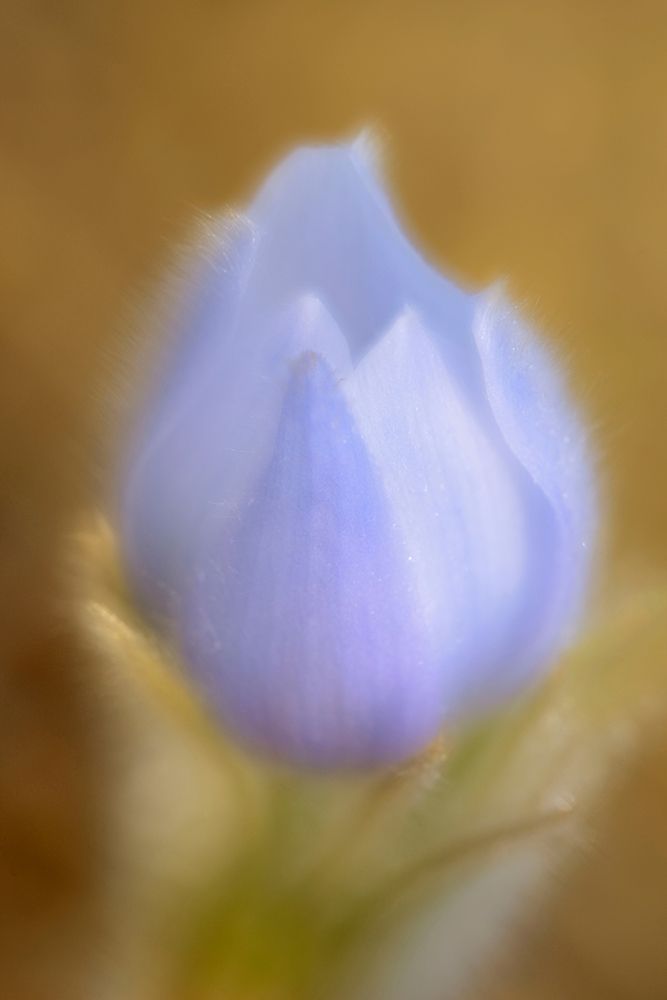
(523, 139)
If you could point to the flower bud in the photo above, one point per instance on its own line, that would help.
(359, 502)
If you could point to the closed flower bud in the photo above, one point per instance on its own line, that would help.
(359, 501)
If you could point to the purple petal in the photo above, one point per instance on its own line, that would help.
(300, 623)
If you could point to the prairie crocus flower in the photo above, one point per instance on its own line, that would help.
(359, 502)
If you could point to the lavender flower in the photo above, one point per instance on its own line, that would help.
(359, 502)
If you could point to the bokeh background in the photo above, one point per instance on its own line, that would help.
(524, 139)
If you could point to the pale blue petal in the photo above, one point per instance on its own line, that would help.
(202, 309)
(541, 426)
(325, 224)
(300, 624)
(475, 527)
(167, 452)
(213, 439)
